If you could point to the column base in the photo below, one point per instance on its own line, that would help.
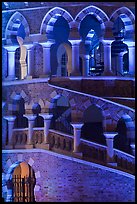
(75, 74)
(20, 146)
(44, 75)
(10, 78)
(28, 146)
(77, 154)
(108, 73)
(8, 147)
(112, 163)
(28, 77)
(43, 146)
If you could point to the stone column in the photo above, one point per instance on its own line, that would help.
(110, 151)
(47, 119)
(131, 53)
(133, 148)
(30, 61)
(77, 133)
(85, 67)
(107, 58)
(119, 64)
(75, 57)
(31, 120)
(11, 120)
(11, 62)
(46, 58)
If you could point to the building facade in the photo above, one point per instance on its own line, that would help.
(68, 118)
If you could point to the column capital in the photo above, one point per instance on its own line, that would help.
(110, 135)
(30, 117)
(10, 118)
(77, 125)
(107, 42)
(75, 42)
(11, 48)
(47, 44)
(129, 43)
(46, 116)
(28, 46)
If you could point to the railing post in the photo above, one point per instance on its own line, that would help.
(31, 120)
(110, 151)
(47, 120)
(11, 120)
(77, 133)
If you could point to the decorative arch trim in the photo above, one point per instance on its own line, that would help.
(126, 16)
(51, 17)
(95, 11)
(12, 26)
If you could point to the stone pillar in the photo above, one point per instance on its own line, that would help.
(75, 57)
(47, 119)
(11, 62)
(85, 67)
(110, 151)
(119, 66)
(46, 58)
(30, 61)
(107, 58)
(133, 148)
(131, 53)
(11, 120)
(77, 133)
(31, 120)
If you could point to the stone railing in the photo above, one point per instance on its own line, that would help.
(64, 144)
(19, 138)
(124, 161)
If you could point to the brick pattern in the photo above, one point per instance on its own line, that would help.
(62, 180)
(46, 93)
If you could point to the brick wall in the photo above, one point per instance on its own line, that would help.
(65, 179)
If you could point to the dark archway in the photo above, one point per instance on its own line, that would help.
(93, 125)
(39, 121)
(20, 183)
(18, 110)
(61, 115)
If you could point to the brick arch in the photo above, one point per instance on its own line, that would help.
(12, 26)
(130, 126)
(9, 177)
(11, 167)
(127, 17)
(95, 11)
(51, 17)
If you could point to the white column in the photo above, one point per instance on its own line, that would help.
(77, 133)
(131, 53)
(110, 151)
(85, 67)
(119, 66)
(107, 58)
(30, 60)
(75, 57)
(11, 62)
(47, 120)
(31, 120)
(11, 120)
(133, 148)
(46, 57)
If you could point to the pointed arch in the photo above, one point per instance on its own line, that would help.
(25, 171)
(127, 17)
(13, 25)
(51, 17)
(95, 11)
